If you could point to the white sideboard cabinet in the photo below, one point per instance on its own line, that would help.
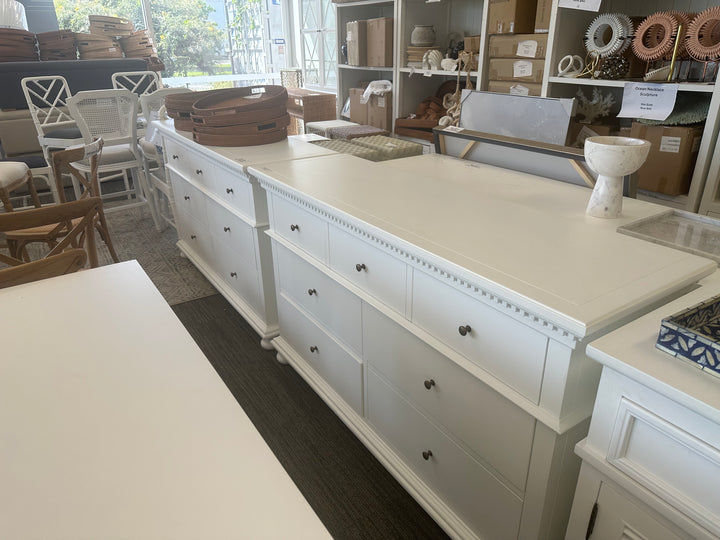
(445, 322)
(651, 461)
(222, 215)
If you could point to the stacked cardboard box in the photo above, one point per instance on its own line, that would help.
(376, 112)
(512, 16)
(370, 42)
(517, 63)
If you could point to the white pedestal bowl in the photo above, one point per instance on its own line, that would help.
(612, 158)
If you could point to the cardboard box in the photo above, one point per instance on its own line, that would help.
(515, 88)
(517, 46)
(578, 132)
(542, 16)
(380, 111)
(380, 42)
(669, 166)
(509, 69)
(358, 111)
(512, 16)
(356, 36)
(472, 44)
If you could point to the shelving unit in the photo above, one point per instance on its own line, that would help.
(566, 36)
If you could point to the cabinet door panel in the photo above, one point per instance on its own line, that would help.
(508, 349)
(469, 409)
(487, 506)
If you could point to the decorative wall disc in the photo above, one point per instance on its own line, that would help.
(703, 39)
(655, 37)
(609, 34)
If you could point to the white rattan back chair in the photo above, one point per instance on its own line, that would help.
(153, 162)
(138, 82)
(110, 115)
(46, 98)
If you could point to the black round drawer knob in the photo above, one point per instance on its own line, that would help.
(313, 348)
(294, 227)
(233, 274)
(175, 156)
(360, 267)
(198, 171)
(186, 197)
(226, 229)
(464, 330)
(193, 237)
(429, 383)
(312, 291)
(427, 454)
(229, 191)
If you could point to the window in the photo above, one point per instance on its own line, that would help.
(319, 45)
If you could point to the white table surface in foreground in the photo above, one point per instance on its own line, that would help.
(114, 425)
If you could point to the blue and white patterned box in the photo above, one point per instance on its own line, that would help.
(694, 334)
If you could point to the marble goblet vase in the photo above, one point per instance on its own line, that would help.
(612, 158)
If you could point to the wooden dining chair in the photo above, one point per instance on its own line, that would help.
(77, 221)
(63, 163)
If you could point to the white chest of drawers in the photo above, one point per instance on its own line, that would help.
(651, 461)
(442, 318)
(222, 216)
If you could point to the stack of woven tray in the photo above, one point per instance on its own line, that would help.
(179, 107)
(309, 106)
(354, 132)
(17, 45)
(390, 148)
(110, 26)
(57, 45)
(246, 116)
(349, 147)
(140, 45)
(97, 46)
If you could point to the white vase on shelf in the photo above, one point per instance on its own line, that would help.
(423, 35)
(612, 158)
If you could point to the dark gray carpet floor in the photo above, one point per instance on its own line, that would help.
(350, 491)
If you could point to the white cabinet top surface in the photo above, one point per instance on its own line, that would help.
(294, 147)
(115, 425)
(631, 351)
(525, 237)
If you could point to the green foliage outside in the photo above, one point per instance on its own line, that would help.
(185, 39)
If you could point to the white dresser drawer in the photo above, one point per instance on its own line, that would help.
(234, 188)
(300, 227)
(466, 407)
(189, 163)
(508, 349)
(239, 272)
(378, 273)
(341, 370)
(189, 199)
(484, 503)
(231, 230)
(332, 305)
(195, 237)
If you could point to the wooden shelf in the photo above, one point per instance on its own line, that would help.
(683, 87)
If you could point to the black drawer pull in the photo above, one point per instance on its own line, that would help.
(187, 197)
(233, 274)
(427, 454)
(294, 227)
(198, 171)
(229, 191)
(360, 267)
(312, 291)
(175, 156)
(429, 383)
(226, 229)
(193, 237)
(313, 348)
(464, 330)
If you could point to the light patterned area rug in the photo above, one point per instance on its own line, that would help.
(134, 236)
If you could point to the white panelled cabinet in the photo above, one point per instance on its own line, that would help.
(222, 217)
(651, 461)
(445, 322)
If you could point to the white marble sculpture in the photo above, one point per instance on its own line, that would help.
(612, 158)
